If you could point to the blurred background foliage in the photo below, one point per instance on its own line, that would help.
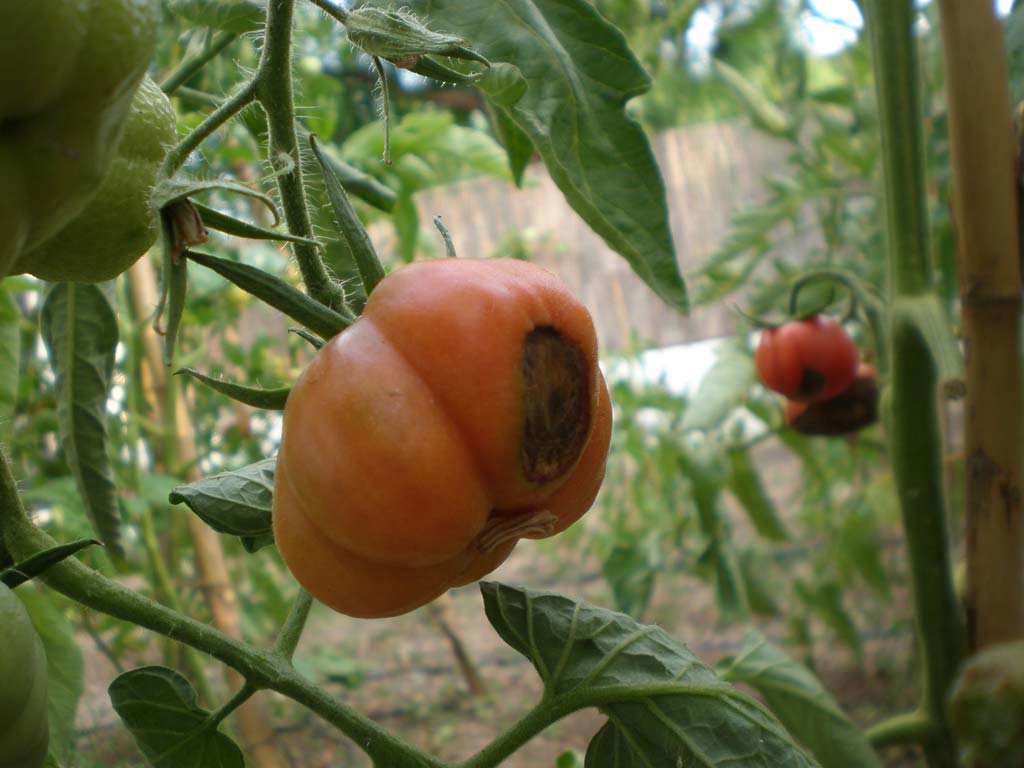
(705, 484)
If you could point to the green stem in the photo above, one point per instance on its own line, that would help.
(907, 728)
(241, 696)
(294, 624)
(274, 91)
(915, 439)
(197, 61)
(334, 11)
(262, 669)
(231, 106)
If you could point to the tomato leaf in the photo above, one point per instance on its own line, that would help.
(237, 503)
(277, 293)
(65, 679)
(270, 399)
(580, 73)
(236, 16)
(223, 222)
(664, 705)
(799, 700)
(40, 562)
(79, 329)
(745, 484)
(160, 708)
(10, 357)
(826, 600)
(724, 387)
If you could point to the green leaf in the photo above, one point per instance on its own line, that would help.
(237, 503)
(799, 700)
(10, 360)
(724, 387)
(580, 73)
(517, 143)
(172, 190)
(630, 570)
(223, 222)
(79, 328)
(278, 294)
(160, 708)
(664, 705)
(745, 484)
(407, 227)
(826, 601)
(40, 562)
(65, 679)
(354, 238)
(237, 16)
(270, 399)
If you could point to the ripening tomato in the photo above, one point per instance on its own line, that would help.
(463, 411)
(807, 360)
(851, 410)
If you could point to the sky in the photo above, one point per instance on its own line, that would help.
(829, 27)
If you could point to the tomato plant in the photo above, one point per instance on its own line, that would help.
(24, 730)
(69, 71)
(807, 360)
(428, 413)
(118, 225)
(462, 411)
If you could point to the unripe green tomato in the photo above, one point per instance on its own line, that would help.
(118, 225)
(24, 728)
(68, 69)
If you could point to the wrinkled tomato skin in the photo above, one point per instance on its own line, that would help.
(807, 360)
(403, 440)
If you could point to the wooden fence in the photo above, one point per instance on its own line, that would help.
(710, 172)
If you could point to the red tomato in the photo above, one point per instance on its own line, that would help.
(807, 360)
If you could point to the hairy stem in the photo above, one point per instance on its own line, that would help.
(274, 91)
(231, 106)
(261, 669)
(196, 62)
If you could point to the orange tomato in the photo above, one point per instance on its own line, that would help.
(806, 360)
(463, 411)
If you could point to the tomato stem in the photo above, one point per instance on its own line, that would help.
(914, 436)
(274, 91)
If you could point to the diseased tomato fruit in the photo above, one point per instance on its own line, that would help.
(119, 224)
(68, 69)
(24, 728)
(463, 411)
(807, 360)
(853, 409)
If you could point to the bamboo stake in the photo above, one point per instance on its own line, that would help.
(255, 730)
(983, 152)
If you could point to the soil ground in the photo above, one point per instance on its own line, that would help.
(407, 678)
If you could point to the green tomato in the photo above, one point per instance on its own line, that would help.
(24, 728)
(118, 225)
(68, 70)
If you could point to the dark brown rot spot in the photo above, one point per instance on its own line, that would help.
(811, 383)
(557, 412)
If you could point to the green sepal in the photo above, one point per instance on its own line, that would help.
(278, 294)
(399, 35)
(268, 399)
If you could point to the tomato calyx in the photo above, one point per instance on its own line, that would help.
(501, 528)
